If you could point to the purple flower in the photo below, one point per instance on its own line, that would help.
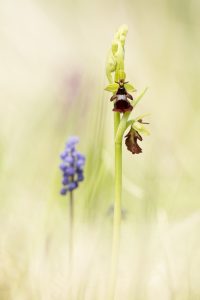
(65, 180)
(62, 166)
(63, 191)
(70, 171)
(68, 159)
(72, 166)
(80, 163)
(72, 186)
(80, 177)
(72, 141)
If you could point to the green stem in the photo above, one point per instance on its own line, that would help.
(119, 129)
(116, 122)
(117, 210)
(71, 230)
(129, 123)
(122, 127)
(71, 242)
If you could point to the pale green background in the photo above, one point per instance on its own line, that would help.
(52, 79)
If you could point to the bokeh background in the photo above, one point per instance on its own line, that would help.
(52, 79)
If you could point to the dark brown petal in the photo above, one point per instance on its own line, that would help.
(131, 141)
(129, 96)
(122, 106)
(113, 97)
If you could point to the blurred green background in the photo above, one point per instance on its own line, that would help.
(52, 80)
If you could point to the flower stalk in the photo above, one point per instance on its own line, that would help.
(116, 219)
(71, 228)
(121, 97)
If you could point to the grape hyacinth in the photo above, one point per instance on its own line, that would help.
(72, 166)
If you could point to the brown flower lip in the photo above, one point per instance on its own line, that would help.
(131, 141)
(122, 106)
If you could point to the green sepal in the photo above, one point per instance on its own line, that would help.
(140, 128)
(129, 87)
(112, 87)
